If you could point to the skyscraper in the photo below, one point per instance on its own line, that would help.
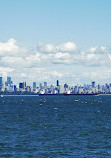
(93, 84)
(21, 85)
(8, 80)
(34, 85)
(45, 84)
(15, 88)
(57, 82)
(40, 85)
(24, 85)
(1, 82)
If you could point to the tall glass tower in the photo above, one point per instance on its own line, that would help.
(57, 82)
(1, 81)
(34, 85)
(8, 80)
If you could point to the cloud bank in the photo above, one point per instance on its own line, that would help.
(52, 61)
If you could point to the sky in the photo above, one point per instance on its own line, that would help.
(68, 40)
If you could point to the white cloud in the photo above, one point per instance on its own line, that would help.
(4, 71)
(49, 60)
(46, 48)
(14, 56)
(52, 48)
(62, 55)
(93, 49)
(8, 46)
(98, 50)
(57, 74)
(67, 47)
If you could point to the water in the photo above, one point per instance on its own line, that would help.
(55, 127)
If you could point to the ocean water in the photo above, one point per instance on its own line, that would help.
(55, 127)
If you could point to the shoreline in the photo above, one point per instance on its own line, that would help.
(3, 95)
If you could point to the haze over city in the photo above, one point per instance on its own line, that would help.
(68, 40)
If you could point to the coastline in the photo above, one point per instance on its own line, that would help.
(50, 95)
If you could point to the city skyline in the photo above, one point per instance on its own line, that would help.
(67, 40)
(8, 87)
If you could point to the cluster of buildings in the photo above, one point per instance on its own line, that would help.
(8, 86)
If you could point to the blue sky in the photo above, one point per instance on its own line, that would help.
(85, 23)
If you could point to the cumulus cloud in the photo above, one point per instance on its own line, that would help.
(4, 71)
(46, 48)
(92, 49)
(13, 55)
(52, 48)
(67, 47)
(8, 46)
(98, 50)
(46, 61)
(57, 74)
(62, 55)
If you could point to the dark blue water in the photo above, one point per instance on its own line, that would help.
(55, 127)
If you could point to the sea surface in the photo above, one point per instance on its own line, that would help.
(55, 126)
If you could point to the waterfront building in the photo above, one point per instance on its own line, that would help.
(57, 83)
(34, 86)
(9, 80)
(11, 88)
(65, 87)
(20, 85)
(80, 90)
(45, 85)
(76, 89)
(15, 88)
(40, 86)
(1, 82)
(93, 84)
(24, 85)
(61, 89)
(29, 89)
(42, 91)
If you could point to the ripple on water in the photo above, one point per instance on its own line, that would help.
(64, 126)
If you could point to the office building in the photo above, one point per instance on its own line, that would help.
(45, 84)
(34, 86)
(21, 85)
(1, 82)
(57, 82)
(93, 84)
(9, 80)
(24, 85)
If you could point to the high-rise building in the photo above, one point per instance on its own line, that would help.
(76, 89)
(93, 84)
(61, 89)
(65, 85)
(57, 82)
(40, 85)
(8, 80)
(15, 88)
(34, 85)
(1, 81)
(21, 85)
(45, 84)
(24, 85)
